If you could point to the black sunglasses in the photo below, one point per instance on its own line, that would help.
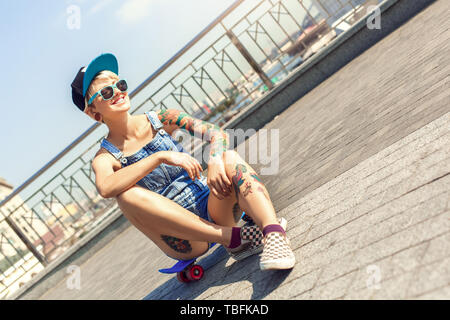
(108, 92)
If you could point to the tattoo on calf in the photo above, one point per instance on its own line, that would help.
(238, 180)
(179, 245)
(248, 189)
(261, 187)
(264, 192)
(254, 176)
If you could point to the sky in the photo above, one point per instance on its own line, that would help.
(45, 42)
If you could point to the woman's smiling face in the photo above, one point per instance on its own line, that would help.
(119, 102)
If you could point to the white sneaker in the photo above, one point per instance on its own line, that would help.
(277, 253)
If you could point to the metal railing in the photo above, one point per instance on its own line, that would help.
(235, 60)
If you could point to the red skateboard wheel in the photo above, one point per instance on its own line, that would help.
(195, 273)
(181, 276)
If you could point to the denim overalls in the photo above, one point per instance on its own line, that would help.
(172, 182)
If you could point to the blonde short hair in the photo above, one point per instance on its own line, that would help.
(103, 75)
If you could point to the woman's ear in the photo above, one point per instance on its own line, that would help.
(98, 117)
(90, 111)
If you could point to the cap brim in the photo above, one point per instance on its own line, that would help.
(106, 61)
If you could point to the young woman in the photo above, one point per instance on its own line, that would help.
(160, 187)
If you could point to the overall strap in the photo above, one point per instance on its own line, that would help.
(113, 150)
(154, 120)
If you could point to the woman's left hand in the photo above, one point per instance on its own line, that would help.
(217, 180)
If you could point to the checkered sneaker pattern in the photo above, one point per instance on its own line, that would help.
(252, 234)
(277, 253)
(252, 241)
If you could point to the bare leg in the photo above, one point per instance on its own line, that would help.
(169, 225)
(251, 194)
(225, 212)
(253, 198)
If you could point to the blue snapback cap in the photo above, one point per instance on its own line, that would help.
(106, 61)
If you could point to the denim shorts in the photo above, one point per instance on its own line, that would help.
(200, 205)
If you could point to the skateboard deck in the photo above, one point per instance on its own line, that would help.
(186, 270)
(177, 267)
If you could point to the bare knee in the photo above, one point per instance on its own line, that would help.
(230, 158)
(130, 196)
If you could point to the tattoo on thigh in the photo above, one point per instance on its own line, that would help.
(237, 212)
(179, 245)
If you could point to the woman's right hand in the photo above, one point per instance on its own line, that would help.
(184, 160)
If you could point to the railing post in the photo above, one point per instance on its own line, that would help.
(249, 58)
(25, 240)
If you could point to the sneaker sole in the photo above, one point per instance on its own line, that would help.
(247, 253)
(277, 264)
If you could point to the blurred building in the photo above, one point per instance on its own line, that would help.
(5, 189)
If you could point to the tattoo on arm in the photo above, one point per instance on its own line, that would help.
(182, 246)
(214, 134)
